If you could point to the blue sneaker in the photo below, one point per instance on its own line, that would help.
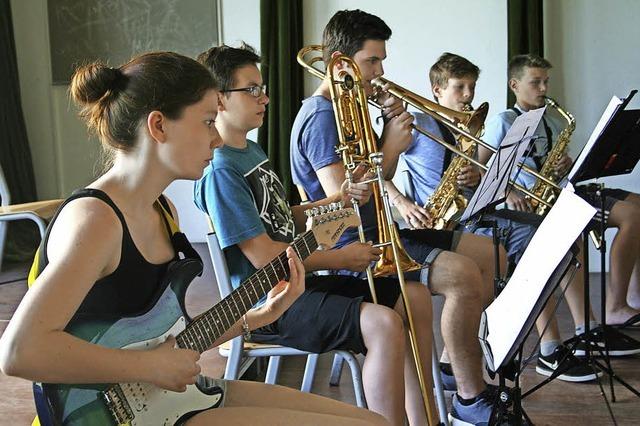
(448, 381)
(476, 414)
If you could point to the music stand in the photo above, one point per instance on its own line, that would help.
(493, 187)
(514, 312)
(611, 150)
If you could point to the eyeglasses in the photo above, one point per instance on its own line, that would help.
(255, 91)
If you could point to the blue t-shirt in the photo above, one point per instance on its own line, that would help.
(244, 198)
(496, 129)
(314, 138)
(424, 159)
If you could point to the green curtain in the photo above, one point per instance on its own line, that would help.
(525, 31)
(15, 155)
(281, 38)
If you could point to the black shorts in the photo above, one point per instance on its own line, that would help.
(424, 246)
(327, 315)
(612, 196)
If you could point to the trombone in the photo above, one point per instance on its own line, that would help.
(357, 143)
(450, 119)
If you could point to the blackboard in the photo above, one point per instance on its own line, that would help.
(82, 31)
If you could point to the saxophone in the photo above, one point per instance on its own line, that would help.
(559, 149)
(447, 203)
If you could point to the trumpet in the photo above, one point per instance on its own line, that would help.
(452, 120)
(357, 144)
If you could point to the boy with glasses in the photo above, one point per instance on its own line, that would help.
(254, 222)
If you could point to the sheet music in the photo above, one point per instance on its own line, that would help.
(493, 185)
(602, 123)
(507, 315)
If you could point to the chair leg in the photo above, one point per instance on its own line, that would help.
(3, 234)
(309, 372)
(336, 369)
(438, 387)
(272, 370)
(232, 370)
(356, 376)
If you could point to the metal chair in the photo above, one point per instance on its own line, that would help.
(40, 212)
(240, 353)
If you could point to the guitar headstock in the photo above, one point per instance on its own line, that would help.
(329, 222)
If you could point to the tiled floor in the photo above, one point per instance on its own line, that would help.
(556, 404)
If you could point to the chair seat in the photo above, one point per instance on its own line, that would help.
(259, 349)
(44, 209)
(249, 345)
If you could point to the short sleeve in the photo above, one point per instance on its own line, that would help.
(319, 140)
(496, 129)
(229, 203)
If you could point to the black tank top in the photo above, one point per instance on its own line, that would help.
(131, 287)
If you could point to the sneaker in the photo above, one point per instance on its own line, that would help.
(448, 380)
(618, 344)
(561, 358)
(476, 414)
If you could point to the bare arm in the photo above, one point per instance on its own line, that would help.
(279, 299)
(84, 246)
(415, 216)
(484, 154)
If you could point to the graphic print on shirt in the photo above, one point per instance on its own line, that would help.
(269, 198)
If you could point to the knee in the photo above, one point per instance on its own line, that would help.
(467, 279)
(381, 323)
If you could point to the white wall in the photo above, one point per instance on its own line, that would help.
(593, 46)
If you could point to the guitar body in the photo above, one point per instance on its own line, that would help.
(148, 405)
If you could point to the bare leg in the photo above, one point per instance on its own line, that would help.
(548, 316)
(575, 292)
(633, 293)
(458, 278)
(420, 300)
(625, 250)
(383, 335)
(480, 249)
(251, 403)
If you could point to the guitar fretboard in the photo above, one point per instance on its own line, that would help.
(205, 329)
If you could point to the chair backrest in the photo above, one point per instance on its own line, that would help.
(5, 200)
(5, 197)
(219, 263)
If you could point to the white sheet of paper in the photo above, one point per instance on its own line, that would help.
(507, 315)
(606, 116)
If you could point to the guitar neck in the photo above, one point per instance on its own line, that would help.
(206, 328)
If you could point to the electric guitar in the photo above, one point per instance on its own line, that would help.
(143, 403)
